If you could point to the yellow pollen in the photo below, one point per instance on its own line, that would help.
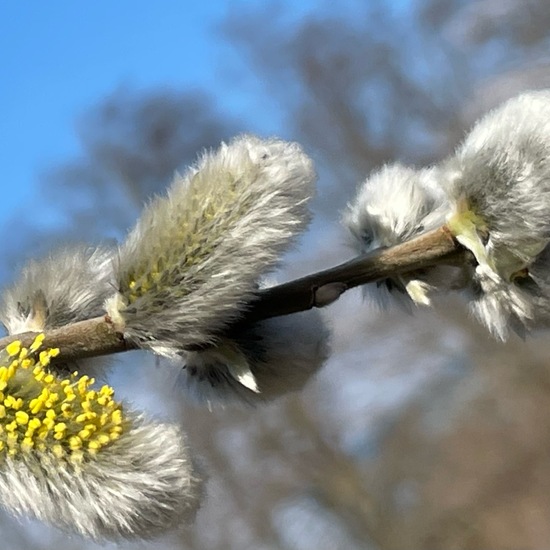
(14, 348)
(44, 358)
(36, 405)
(48, 423)
(22, 418)
(116, 417)
(11, 427)
(102, 439)
(65, 417)
(39, 376)
(106, 391)
(9, 402)
(29, 432)
(84, 434)
(75, 442)
(58, 451)
(37, 342)
(34, 423)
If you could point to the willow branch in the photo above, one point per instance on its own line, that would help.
(95, 337)
(324, 287)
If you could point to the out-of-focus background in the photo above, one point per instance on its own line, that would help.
(421, 432)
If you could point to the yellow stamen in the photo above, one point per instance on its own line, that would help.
(41, 412)
(14, 348)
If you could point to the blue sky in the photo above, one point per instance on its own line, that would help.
(58, 58)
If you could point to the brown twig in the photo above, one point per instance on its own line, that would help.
(324, 287)
(98, 336)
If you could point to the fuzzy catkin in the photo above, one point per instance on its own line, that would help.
(283, 354)
(502, 171)
(499, 180)
(140, 486)
(393, 205)
(68, 286)
(193, 259)
(494, 196)
(73, 456)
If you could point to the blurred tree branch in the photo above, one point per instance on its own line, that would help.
(99, 336)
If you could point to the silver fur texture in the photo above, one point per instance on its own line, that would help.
(67, 286)
(283, 354)
(393, 205)
(502, 172)
(138, 487)
(494, 193)
(193, 260)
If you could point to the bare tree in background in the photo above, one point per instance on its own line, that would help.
(364, 84)
(132, 144)
(431, 435)
(368, 85)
